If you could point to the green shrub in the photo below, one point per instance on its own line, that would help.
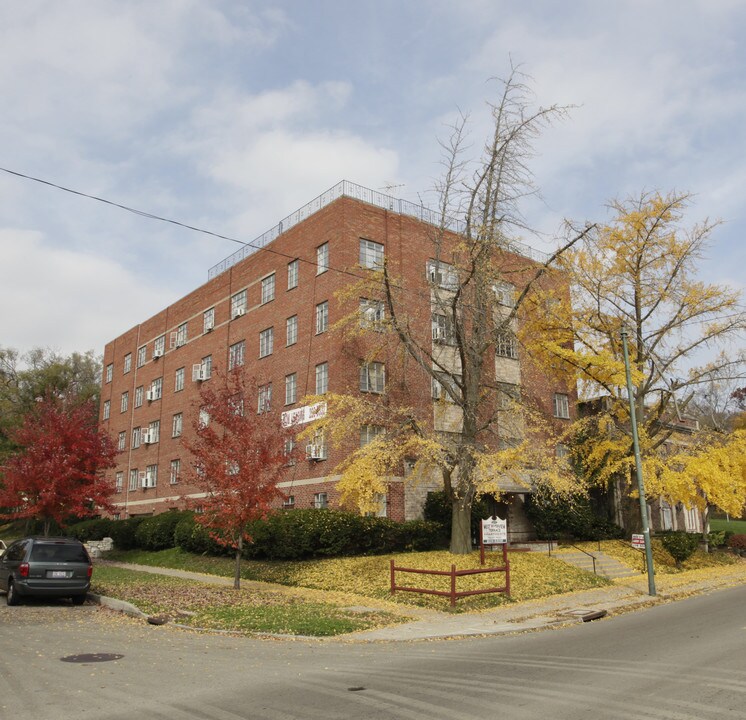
(680, 545)
(716, 538)
(422, 535)
(94, 529)
(157, 532)
(737, 542)
(573, 518)
(194, 537)
(123, 533)
(438, 509)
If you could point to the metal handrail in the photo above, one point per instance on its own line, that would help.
(345, 188)
(565, 542)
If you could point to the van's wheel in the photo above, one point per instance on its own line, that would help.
(12, 597)
(78, 599)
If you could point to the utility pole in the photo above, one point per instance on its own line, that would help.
(638, 467)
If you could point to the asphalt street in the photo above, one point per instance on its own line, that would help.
(684, 660)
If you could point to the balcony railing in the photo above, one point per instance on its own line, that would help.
(345, 188)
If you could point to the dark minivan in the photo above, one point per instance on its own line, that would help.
(46, 567)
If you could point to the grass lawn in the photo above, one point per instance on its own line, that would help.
(532, 575)
(736, 526)
(216, 607)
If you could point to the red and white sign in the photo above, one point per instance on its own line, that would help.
(303, 415)
(638, 542)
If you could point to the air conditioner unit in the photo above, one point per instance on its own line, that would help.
(157, 354)
(148, 481)
(150, 395)
(439, 333)
(209, 328)
(198, 372)
(315, 452)
(147, 437)
(239, 312)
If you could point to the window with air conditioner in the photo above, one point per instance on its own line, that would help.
(372, 314)
(238, 304)
(159, 347)
(320, 501)
(156, 389)
(442, 275)
(208, 320)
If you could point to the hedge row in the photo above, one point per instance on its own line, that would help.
(289, 535)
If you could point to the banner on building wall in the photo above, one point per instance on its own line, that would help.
(303, 415)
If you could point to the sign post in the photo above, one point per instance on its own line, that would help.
(493, 531)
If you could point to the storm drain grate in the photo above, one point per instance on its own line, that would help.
(92, 657)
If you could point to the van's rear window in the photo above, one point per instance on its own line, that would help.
(49, 552)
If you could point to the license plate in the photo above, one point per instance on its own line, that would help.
(57, 574)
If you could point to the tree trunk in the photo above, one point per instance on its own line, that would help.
(47, 524)
(460, 526)
(237, 574)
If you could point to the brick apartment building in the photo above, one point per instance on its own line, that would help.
(272, 310)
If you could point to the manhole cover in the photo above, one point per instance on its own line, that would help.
(92, 657)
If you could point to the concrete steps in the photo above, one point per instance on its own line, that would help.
(605, 564)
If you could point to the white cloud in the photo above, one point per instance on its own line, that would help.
(66, 300)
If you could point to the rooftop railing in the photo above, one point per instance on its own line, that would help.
(345, 188)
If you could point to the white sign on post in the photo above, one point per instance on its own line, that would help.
(638, 541)
(494, 531)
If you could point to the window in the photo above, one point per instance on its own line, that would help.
(154, 431)
(368, 433)
(177, 425)
(180, 337)
(289, 502)
(289, 449)
(506, 345)
(133, 479)
(122, 441)
(236, 354)
(442, 275)
(204, 417)
(125, 401)
(208, 320)
(235, 403)
(179, 380)
(109, 372)
(322, 378)
(107, 409)
(372, 313)
(291, 389)
(135, 438)
(442, 327)
(292, 330)
(264, 403)
(156, 389)
(322, 317)
(561, 406)
(266, 342)
(119, 481)
(320, 501)
(206, 367)
(372, 377)
(505, 293)
(151, 476)
(268, 288)
(292, 274)
(322, 258)
(238, 304)
(159, 347)
(141, 355)
(127, 363)
(371, 254)
(139, 391)
(175, 471)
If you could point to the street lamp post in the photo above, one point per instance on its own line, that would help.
(638, 468)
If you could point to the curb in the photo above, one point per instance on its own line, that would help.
(121, 606)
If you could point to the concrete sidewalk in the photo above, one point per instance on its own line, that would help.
(622, 596)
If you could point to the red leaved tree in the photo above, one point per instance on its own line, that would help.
(58, 472)
(239, 457)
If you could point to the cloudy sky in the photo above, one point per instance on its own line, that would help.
(231, 114)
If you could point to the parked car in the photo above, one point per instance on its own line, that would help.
(45, 567)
